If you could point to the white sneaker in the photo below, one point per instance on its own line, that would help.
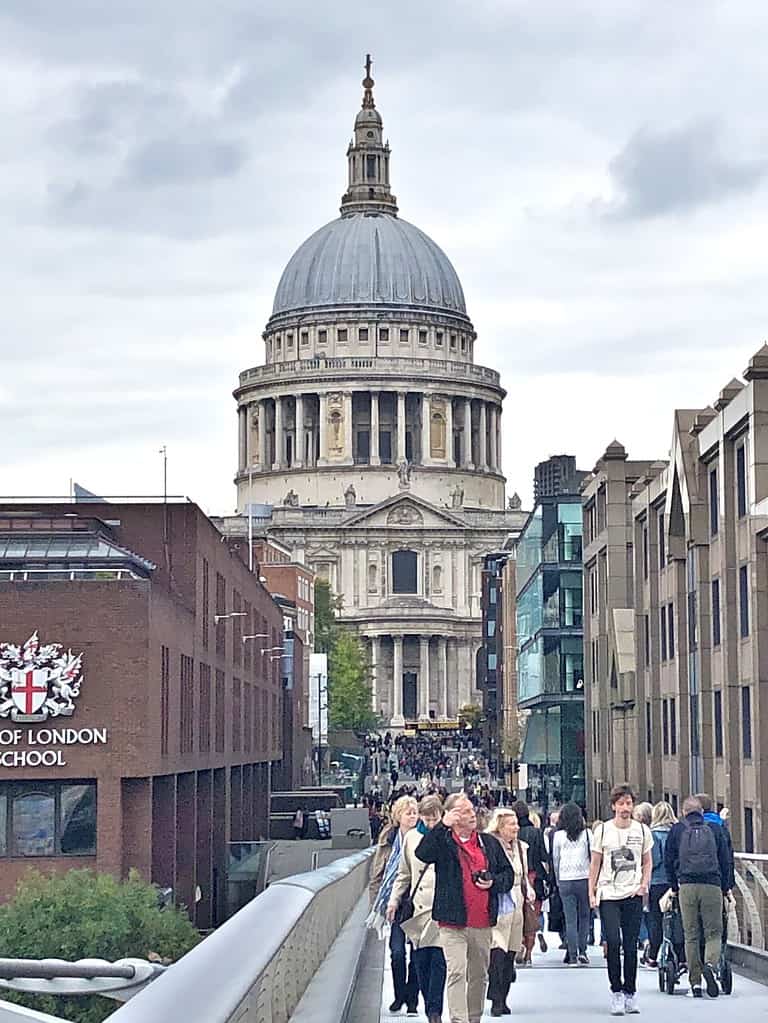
(617, 1003)
(631, 1007)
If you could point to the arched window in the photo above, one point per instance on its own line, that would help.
(373, 578)
(405, 576)
(437, 579)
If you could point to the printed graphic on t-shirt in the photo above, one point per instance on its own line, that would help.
(623, 860)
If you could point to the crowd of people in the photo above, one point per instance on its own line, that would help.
(458, 887)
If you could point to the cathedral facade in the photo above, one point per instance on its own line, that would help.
(370, 442)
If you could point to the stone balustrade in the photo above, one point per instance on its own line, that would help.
(378, 366)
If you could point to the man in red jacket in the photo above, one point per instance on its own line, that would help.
(471, 871)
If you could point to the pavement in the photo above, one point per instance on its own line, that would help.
(555, 993)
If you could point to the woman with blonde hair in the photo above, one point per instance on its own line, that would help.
(662, 819)
(418, 879)
(507, 936)
(386, 863)
(643, 813)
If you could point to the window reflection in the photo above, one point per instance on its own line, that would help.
(78, 820)
(34, 824)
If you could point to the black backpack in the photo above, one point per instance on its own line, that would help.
(697, 856)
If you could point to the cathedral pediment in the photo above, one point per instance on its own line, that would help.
(403, 511)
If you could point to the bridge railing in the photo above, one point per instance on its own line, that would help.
(256, 966)
(748, 922)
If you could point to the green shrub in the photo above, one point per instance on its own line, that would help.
(83, 914)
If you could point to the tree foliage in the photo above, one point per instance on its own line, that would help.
(349, 691)
(326, 626)
(83, 914)
(470, 714)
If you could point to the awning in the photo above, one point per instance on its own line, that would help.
(542, 739)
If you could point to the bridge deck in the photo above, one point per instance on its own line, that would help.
(554, 993)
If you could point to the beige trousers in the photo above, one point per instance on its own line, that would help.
(467, 950)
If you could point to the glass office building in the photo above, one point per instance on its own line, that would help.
(550, 650)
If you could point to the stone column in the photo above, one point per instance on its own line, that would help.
(426, 411)
(397, 683)
(423, 700)
(498, 440)
(466, 437)
(322, 427)
(279, 442)
(263, 461)
(482, 449)
(242, 438)
(373, 447)
(375, 653)
(465, 673)
(442, 651)
(449, 431)
(298, 454)
(494, 456)
(400, 426)
(348, 452)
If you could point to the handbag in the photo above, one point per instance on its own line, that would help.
(530, 913)
(405, 909)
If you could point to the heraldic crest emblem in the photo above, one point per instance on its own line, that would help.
(38, 682)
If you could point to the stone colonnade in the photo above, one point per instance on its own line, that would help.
(370, 427)
(435, 674)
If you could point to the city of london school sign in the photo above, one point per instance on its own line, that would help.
(40, 683)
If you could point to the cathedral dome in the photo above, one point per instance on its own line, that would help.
(369, 258)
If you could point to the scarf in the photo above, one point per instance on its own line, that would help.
(376, 919)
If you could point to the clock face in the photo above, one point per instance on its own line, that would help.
(370, 134)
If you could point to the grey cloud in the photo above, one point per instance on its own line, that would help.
(175, 161)
(659, 172)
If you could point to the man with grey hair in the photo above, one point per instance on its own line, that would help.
(471, 872)
(698, 866)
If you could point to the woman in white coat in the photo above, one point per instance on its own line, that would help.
(422, 931)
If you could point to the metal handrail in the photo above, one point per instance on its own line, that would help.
(257, 965)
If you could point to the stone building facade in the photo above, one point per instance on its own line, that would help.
(370, 441)
(677, 675)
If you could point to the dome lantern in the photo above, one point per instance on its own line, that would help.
(368, 160)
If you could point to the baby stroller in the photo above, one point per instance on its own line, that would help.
(670, 967)
(724, 971)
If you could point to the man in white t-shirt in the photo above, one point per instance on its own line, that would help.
(619, 877)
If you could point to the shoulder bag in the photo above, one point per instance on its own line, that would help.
(405, 908)
(530, 915)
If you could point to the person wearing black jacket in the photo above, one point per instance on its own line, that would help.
(538, 870)
(698, 865)
(471, 872)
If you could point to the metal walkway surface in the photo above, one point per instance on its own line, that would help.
(554, 993)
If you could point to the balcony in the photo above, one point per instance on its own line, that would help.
(318, 369)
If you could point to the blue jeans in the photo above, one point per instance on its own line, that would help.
(431, 971)
(575, 896)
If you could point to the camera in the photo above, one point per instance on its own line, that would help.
(481, 875)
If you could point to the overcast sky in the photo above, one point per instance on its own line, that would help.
(597, 173)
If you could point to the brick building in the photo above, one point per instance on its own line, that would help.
(165, 755)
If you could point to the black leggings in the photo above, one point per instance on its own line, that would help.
(621, 924)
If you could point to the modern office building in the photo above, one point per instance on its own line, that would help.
(497, 661)
(557, 475)
(550, 666)
(370, 439)
(140, 696)
(680, 691)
